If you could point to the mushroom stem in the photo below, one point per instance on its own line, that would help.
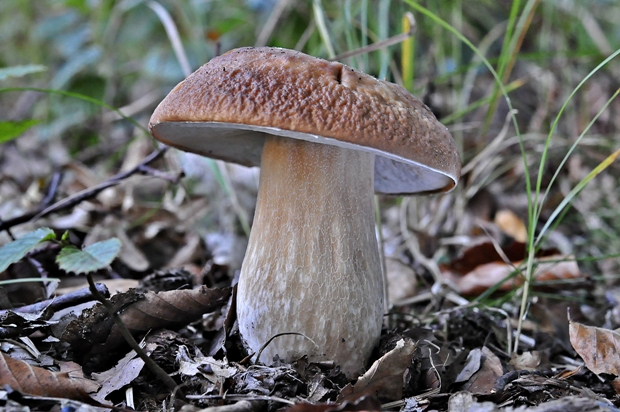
(312, 265)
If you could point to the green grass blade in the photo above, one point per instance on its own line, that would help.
(557, 120)
(407, 56)
(173, 35)
(75, 96)
(423, 10)
(578, 188)
(512, 44)
(20, 71)
(480, 102)
(364, 23)
(576, 143)
(10, 130)
(383, 31)
(506, 49)
(319, 17)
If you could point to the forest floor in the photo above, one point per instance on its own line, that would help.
(503, 293)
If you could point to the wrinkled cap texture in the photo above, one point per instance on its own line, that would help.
(226, 108)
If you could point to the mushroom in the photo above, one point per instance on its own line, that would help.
(325, 135)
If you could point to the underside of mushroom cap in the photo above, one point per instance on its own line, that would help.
(227, 107)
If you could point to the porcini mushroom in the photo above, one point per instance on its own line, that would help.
(325, 135)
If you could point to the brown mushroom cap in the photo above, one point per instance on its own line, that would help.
(225, 109)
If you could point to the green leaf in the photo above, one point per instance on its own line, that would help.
(96, 256)
(16, 250)
(20, 71)
(64, 240)
(10, 130)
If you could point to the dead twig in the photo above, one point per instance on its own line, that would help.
(150, 363)
(52, 190)
(89, 193)
(390, 41)
(242, 397)
(65, 301)
(277, 335)
(46, 285)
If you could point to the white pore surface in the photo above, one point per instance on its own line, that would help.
(243, 144)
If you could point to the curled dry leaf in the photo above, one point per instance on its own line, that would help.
(481, 267)
(141, 313)
(529, 361)
(16, 323)
(385, 376)
(487, 275)
(599, 348)
(472, 365)
(483, 380)
(126, 371)
(36, 381)
(214, 370)
(511, 224)
(170, 308)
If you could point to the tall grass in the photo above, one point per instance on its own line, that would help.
(518, 22)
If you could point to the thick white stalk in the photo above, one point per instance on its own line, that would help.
(312, 265)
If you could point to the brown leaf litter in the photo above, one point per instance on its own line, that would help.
(69, 382)
(600, 350)
(95, 332)
(487, 265)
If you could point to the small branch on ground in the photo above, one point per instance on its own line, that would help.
(48, 287)
(150, 363)
(69, 202)
(61, 302)
(52, 190)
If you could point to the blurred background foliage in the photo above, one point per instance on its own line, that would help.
(119, 53)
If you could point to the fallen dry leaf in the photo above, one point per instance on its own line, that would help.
(16, 323)
(175, 307)
(385, 376)
(214, 370)
(362, 404)
(483, 380)
(472, 365)
(481, 267)
(141, 313)
(33, 380)
(265, 380)
(114, 286)
(465, 401)
(511, 224)
(126, 371)
(486, 252)
(599, 348)
(488, 275)
(526, 361)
